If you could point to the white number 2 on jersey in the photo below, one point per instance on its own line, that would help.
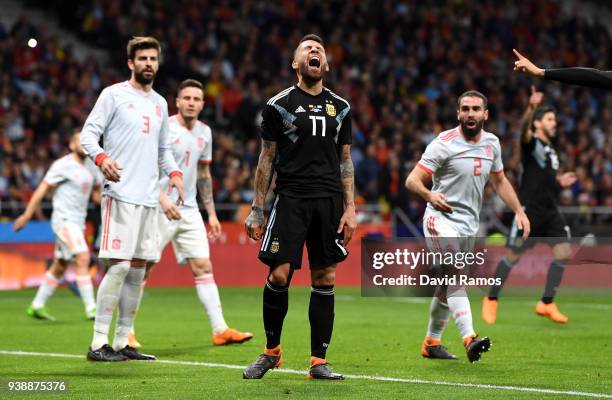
(314, 125)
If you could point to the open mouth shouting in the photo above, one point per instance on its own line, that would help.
(314, 63)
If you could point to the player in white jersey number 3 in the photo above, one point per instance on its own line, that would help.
(183, 225)
(133, 120)
(73, 177)
(460, 161)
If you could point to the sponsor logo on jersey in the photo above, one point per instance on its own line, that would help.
(330, 109)
(300, 109)
(274, 246)
(200, 142)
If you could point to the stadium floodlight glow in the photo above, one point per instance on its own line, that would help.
(32, 43)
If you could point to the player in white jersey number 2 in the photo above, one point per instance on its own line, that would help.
(460, 161)
(73, 177)
(133, 121)
(183, 225)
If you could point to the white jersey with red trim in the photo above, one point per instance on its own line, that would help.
(460, 171)
(134, 129)
(190, 148)
(73, 184)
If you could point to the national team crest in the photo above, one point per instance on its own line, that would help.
(274, 246)
(158, 111)
(489, 150)
(330, 109)
(200, 142)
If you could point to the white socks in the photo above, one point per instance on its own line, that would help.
(86, 290)
(45, 290)
(438, 318)
(209, 297)
(128, 306)
(459, 306)
(108, 296)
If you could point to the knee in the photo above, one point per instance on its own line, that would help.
(119, 269)
(513, 257)
(281, 275)
(82, 260)
(562, 253)
(59, 267)
(137, 263)
(200, 266)
(324, 277)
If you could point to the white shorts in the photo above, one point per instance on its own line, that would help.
(129, 231)
(441, 235)
(188, 236)
(69, 241)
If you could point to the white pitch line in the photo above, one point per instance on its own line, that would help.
(365, 377)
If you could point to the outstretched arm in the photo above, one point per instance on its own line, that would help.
(347, 175)
(263, 176)
(534, 101)
(504, 189)
(206, 194)
(37, 197)
(575, 76)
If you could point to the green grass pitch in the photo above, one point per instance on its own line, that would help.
(372, 336)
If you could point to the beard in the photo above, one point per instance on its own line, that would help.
(309, 77)
(473, 131)
(142, 79)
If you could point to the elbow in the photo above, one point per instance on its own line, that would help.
(409, 184)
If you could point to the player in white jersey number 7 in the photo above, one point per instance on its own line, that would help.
(182, 224)
(461, 161)
(133, 120)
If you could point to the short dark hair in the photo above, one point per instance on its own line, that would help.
(141, 43)
(312, 36)
(474, 93)
(539, 112)
(190, 83)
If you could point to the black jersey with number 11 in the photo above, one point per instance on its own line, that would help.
(308, 131)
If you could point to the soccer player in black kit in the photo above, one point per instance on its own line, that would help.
(306, 138)
(538, 192)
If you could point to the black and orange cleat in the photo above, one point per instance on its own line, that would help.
(319, 369)
(269, 359)
(475, 346)
(432, 348)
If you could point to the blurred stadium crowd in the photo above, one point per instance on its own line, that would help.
(400, 65)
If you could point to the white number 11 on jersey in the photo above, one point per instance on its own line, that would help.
(314, 125)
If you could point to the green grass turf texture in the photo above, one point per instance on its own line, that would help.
(372, 336)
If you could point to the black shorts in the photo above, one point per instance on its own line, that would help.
(546, 227)
(294, 221)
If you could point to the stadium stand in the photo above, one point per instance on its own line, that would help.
(401, 76)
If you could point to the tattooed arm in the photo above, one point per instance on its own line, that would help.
(347, 175)
(263, 176)
(206, 194)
